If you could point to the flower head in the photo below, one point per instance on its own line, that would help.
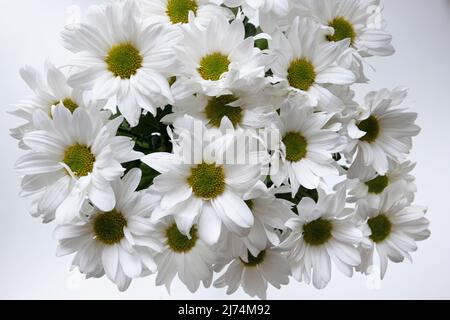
(322, 233)
(73, 157)
(391, 227)
(121, 59)
(120, 243)
(305, 63)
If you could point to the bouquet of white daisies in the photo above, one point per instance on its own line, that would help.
(203, 137)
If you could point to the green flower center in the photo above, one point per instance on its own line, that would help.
(372, 128)
(301, 74)
(124, 60)
(342, 30)
(378, 184)
(178, 10)
(296, 146)
(79, 159)
(213, 65)
(317, 232)
(254, 261)
(207, 181)
(178, 242)
(218, 107)
(69, 104)
(381, 228)
(108, 227)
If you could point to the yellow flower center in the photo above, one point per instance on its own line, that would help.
(213, 65)
(178, 10)
(124, 60)
(79, 159)
(301, 74)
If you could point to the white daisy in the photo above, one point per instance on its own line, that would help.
(304, 63)
(121, 60)
(359, 21)
(49, 90)
(206, 189)
(322, 233)
(306, 147)
(121, 243)
(255, 273)
(218, 57)
(246, 107)
(270, 215)
(392, 227)
(380, 131)
(187, 256)
(176, 12)
(73, 156)
(372, 186)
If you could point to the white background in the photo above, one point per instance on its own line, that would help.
(29, 269)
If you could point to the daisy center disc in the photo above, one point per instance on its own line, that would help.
(342, 30)
(254, 261)
(317, 232)
(218, 107)
(378, 184)
(372, 128)
(301, 74)
(178, 10)
(296, 146)
(69, 104)
(381, 228)
(178, 242)
(213, 65)
(79, 159)
(124, 60)
(207, 181)
(108, 227)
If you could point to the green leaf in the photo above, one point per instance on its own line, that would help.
(250, 29)
(148, 174)
(150, 136)
(262, 44)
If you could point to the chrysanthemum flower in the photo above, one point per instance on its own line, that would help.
(306, 148)
(205, 189)
(304, 63)
(360, 22)
(73, 156)
(49, 90)
(185, 255)
(254, 274)
(355, 20)
(371, 186)
(121, 243)
(322, 233)
(381, 130)
(392, 227)
(176, 12)
(216, 57)
(249, 107)
(121, 59)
